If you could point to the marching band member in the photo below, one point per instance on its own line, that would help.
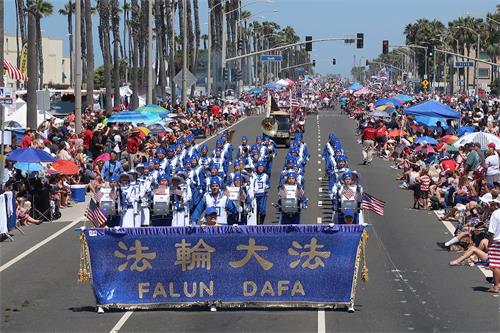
(214, 172)
(241, 199)
(291, 214)
(145, 184)
(302, 147)
(180, 197)
(204, 159)
(129, 199)
(347, 194)
(259, 182)
(218, 200)
(243, 149)
(221, 162)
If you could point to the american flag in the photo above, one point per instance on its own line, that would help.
(13, 71)
(369, 202)
(348, 193)
(95, 214)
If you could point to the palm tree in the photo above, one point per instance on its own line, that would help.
(104, 15)
(20, 30)
(197, 38)
(90, 53)
(134, 23)
(68, 10)
(204, 38)
(170, 32)
(159, 25)
(42, 9)
(115, 27)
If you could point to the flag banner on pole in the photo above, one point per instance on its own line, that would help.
(13, 71)
(23, 64)
(227, 266)
(95, 214)
(369, 202)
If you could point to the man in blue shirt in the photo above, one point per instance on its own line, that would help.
(111, 167)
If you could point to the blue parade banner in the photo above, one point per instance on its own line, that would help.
(294, 265)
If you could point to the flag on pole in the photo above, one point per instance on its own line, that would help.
(369, 202)
(13, 71)
(95, 214)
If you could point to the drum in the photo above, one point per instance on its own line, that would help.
(350, 204)
(107, 204)
(161, 204)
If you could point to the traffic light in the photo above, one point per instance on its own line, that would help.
(385, 46)
(240, 45)
(367, 62)
(334, 61)
(225, 74)
(239, 74)
(430, 51)
(360, 40)
(314, 63)
(309, 44)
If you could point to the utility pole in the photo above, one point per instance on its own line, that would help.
(171, 65)
(32, 85)
(209, 64)
(184, 55)
(149, 94)
(78, 68)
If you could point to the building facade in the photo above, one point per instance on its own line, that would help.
(56, 65)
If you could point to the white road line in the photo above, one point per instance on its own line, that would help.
(320, 178)
(318, 220)
(121, 322)
(319, 170)
(319, 162)
(451, 228)
(321, 321)
(320, 203)
(39, 245)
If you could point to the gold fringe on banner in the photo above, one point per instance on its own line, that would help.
(84, 274)
(364, 242)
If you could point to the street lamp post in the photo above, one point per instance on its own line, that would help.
(477, 55)
(78, 69)
(184, 55)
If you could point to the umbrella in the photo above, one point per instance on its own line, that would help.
(449, 139)
(133, 117)
(29, 167)
(144, 130)
(451, 148)
(103, 157)
(255, 91)
(283, 83)
(65, 167)
(174, 115)
(397, 132)
(428, 139)
(380, 114)
(151, 108)
(478, 137)
(273, 86)
(30, 155)
(426, 148)
(290, 82)
(159, 128)
(404, 98)
(383, 107)
(384, 101)
(12, 124)
(465, 129)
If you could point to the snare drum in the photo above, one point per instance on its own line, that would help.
(161, 204)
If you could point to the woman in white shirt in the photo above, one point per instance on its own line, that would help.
(492, 163)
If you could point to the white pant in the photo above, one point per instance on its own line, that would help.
(180, 219)
(131, 220)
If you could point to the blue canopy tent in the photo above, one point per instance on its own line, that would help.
(384, 101)
(431, 121)
(355, 86)
(432, 109)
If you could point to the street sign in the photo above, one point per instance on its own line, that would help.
(462, 64)
(43, 100)
(6, 96)
(300, 69)
(190, 78)
(425, 84)
(271, 57)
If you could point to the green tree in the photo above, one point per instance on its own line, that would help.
(68, 11)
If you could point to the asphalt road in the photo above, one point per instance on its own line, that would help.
(411, 288)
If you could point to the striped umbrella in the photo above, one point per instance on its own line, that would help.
(478, 137)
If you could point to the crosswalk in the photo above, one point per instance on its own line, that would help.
(324, 201)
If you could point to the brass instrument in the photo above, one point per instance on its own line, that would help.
(269, 126)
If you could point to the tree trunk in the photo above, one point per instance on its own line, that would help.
(134, 45)
(197, 36)
(115, 23)
(32, 67)
(90, 54)
(159, 46)
(70, 39)
(40, 51)
(171, 34)
(106, 54)
(83, 34)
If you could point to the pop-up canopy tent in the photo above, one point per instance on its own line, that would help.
(433, 109)
(354, 86)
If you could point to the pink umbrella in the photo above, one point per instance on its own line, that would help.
(290, 81)
(103, 157)
(427, 148)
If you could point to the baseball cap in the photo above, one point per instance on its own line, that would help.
(211, 211)
(492, 145)
(349, 212)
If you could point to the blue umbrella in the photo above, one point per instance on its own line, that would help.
(152, 108)
(384, 101)
(255, 91)
(134, 117)
(29, 167)
(465, 129)
(428, 139)
(404, 98)
(30, 155)
(273, 86)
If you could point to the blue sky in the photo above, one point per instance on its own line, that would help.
(378, 20)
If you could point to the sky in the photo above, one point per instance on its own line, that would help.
(377, 19)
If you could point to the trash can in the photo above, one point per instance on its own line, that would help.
(78, 192)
